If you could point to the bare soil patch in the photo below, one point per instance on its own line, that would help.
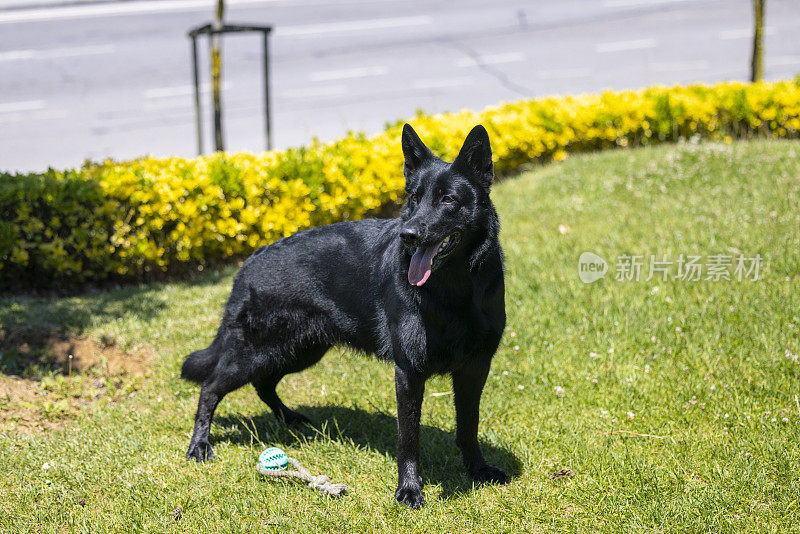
(49, 378)
(29, 351)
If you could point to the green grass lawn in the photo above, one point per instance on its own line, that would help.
(673, 403)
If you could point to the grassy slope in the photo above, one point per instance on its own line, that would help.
(701, 365)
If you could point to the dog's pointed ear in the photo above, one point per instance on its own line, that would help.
(414, 151)
(475, 157)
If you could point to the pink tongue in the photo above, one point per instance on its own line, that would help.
(420, 267)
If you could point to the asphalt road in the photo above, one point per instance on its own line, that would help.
(113, 79)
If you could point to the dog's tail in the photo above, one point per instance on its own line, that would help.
(199, 364)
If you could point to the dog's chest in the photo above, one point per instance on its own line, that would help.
(458, 335)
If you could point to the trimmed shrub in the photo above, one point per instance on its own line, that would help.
(145, 218)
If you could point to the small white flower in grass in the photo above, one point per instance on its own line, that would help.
(629, 380)
(559, 391)
(655, 290)
(505, 372)
(46, 466)
(611, 350)
(594, 355)
(785, 419)
(713, 387)
(773, 420)
(678, 329)
(516, 347)
(646, 368)
(630, 415)
(520, 387)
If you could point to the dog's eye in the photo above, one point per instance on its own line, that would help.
(447, 199)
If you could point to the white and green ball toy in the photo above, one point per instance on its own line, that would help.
(273, 463)
(273, 459)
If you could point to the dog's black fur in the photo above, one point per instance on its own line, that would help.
(360, 284)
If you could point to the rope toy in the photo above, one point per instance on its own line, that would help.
(273, 462)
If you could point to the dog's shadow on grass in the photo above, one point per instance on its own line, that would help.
(440, 459)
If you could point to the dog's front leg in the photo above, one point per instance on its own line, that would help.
(467, 388)
(409, 388)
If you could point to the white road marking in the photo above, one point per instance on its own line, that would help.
(168, 92)
(310, 30)
(782, 61)
(562, 74)
(175, 102)
(54, 53)
(321, 91)
(439, 83)
(180, 90)
(42, 115)
(347, 74)
(635, 3)
(496, 59)
(742, 33)
(108, 10)
(620, 46)
(25, 105)
(677, 66)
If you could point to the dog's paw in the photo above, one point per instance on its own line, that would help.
(410, 496)
(489, 474)
(200, 452)
(292, 418)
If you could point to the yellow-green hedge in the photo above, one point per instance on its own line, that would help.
(140, 219)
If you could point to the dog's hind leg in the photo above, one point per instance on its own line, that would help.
(265, 384)
(265, 387)
(222, 380)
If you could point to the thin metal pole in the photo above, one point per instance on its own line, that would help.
(266, 92)
(197, 109)
(215, 44)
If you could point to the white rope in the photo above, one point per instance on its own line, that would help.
(320, 482)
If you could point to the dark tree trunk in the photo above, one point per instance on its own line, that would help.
(757, 61)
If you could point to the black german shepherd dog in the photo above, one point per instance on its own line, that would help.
(424, 291)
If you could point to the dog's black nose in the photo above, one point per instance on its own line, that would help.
(409, 236)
